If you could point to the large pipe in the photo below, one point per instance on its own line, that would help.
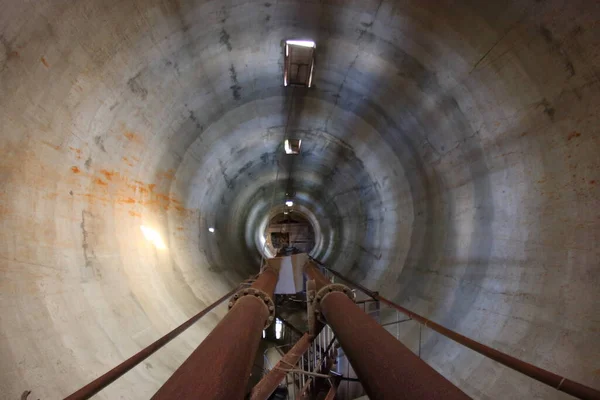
(386, 368)
(269, 382)
(541, 375)
(220, 367)
(103, 381)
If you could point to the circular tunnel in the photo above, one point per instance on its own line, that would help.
(450, 160)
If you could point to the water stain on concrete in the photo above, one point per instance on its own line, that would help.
(225, 39)
(136, 87)
(99, 140)
(235, 87)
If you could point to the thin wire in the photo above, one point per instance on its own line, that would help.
(287, 122)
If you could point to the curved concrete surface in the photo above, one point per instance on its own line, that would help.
(450, 159)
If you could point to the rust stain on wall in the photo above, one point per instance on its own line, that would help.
(108, 175)
(43, 60)
(51, 145)
(573, 134)
(127, 200)
(168, 174)
(133, 137)
(76, 151)
(130, 192)
(126, 160)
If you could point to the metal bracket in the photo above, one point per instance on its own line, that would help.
(326, 290)
(267, 301)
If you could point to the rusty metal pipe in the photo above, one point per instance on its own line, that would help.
(267, 385)
(220, 367)
(386, 368)
(269, 382)
(312, 272)
(331, 394)
(541, 375)
(103, 381)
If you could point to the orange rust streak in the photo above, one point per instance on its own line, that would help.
(134, 214)
(168, 174)
(133, 137)
(107, 174)
(127, 200)
(76, 151)
(75, 170)
(43, 60)
(573, 134)
(51, 145)
(99, 181)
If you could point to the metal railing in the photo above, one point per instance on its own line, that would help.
(551, 379)
(109, 377)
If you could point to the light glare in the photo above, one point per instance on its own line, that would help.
(303, 43)
(289, 203)
(278, 329)
(211, 229)
(153, 237)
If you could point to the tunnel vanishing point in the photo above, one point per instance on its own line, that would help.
(445, 154)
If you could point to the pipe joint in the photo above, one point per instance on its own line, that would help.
(259, 294)
(327, 290)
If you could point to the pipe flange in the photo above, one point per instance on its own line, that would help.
(334, 287)
(266, 299)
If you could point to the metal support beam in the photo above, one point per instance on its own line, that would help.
(332, 392)
(220, 367)
(386, 368)
(269, 382)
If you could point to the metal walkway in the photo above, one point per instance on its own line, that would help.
(351, 347)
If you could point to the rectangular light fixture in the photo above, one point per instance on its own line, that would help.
(292, 146)
(299, 62)
(302, 43)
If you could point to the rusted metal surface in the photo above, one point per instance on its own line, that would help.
(312, 272)
(267, 280)
(541, 375)
(331, 393)
(386, 368)
(269, 382)
(310, 306)
(220, 367)
(103, 381)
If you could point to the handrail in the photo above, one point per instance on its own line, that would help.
(103, 381)
(541, 375)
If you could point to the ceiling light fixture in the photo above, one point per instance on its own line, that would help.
(211, 229)
(298, 66)
(289, 203)
(302, 43)
(292, 146)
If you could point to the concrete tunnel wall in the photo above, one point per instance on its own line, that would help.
(450, 157)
